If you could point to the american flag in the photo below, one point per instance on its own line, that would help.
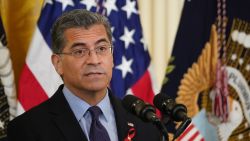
(131, 73)
(191, 133)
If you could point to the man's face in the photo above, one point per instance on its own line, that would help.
(91, 72)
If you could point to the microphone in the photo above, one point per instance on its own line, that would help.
(178, 112)
(137, 106)
(145, 111)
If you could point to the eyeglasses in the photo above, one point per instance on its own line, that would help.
(101, 50)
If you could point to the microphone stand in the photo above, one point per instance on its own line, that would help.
(182, 127)
(162, 128)
(156, 121)
(184, 124)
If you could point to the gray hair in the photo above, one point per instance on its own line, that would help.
(75, 19)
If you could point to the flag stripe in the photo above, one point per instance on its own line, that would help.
(39, 62)
(191, 134)
(188, 129)
(199, 138)
(144, 83)
(19, 109)
(194, 136)
(30, 91)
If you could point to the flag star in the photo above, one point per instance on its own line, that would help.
(1, 124)
(144, 44)
(129, 91)
(47, 2)
(125, 66)
(110, 5)
(130, 8)
(65, 3)
(112, 30)
(89, 3)
(127, 37)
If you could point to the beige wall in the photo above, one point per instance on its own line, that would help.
(160, 19)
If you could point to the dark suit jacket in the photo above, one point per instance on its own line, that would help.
(53, 120)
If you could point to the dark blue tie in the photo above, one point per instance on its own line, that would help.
(97, 131)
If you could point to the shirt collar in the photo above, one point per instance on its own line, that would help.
(80, 107)
(106, 107)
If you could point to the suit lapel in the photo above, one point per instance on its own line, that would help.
(64, 118)
(122, 120)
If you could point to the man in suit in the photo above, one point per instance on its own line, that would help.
(83, 57)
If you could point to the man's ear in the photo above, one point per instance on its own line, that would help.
(57, 63)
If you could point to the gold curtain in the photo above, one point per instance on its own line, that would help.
(19, 19)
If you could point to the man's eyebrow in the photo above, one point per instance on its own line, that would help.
(84, 44)
(102, 40)
(78, 44)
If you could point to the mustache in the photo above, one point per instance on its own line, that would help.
(94, 69)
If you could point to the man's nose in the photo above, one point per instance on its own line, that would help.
(93, 57)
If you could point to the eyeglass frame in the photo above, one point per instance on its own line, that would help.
(73, 52)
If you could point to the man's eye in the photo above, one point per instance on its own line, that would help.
(78, 52)
(102, 48)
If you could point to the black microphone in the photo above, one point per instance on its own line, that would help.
(137, 106)
(177, 112)
(145, 111)
(167, 105)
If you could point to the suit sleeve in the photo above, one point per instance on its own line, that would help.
(18, 131)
